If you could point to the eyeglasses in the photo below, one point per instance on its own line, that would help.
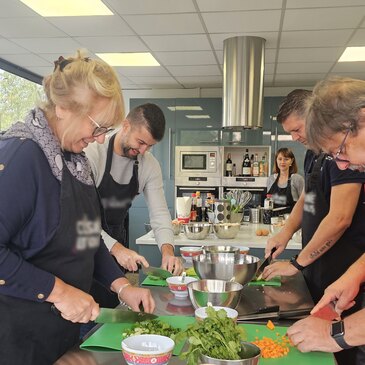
(342, 145)
(99, 130)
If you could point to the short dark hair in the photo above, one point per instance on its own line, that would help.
(150, 116)
(294, 102)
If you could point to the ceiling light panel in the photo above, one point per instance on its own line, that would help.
(129, 59)
(353, 54)
(51, 8)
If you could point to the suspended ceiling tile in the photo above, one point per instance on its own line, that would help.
(355, 75)
(200, 79)
(236, 5)
(151, 6)
(197, 70)
(315, 38)
(321, 3)
(298, 80)
(269, 68)
(349, 67)
(80, 26)
(7, 47)
(26, 60)
(242, 21)
(142, 71)
(11, 9)
(166, 80)
(358, 39)
(186, 58)
(319, 54)
(28, 27)
(218, 38)
(303, 67)
(165, 24)
(193, 42)
(65, 46)
(322, 18)
(112, 44)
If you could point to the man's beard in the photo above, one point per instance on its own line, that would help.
(125, 150)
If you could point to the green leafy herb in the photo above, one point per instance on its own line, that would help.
(155, 327)
(216, 336)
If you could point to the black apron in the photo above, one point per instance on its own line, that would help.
(282, 197)
(30, 333)
(116, 199)
(331, 265)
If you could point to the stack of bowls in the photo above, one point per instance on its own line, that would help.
(221, 249)
(217, 292)
(226, 266)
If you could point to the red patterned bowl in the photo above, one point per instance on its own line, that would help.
(188, 252)
(178, 287)
(147, 349)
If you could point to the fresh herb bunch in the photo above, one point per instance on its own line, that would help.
(216, 336)
(155, 327)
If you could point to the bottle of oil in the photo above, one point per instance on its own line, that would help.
(246, 164)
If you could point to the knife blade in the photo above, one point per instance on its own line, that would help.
(266, 262)
(116, 315)
(119, 315)
(275, 313)
(157, 272)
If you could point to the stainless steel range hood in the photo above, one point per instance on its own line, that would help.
(243, 82)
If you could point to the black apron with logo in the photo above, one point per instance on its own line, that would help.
(332, 264)
(282, 197)
(30, 333)
(116, 199)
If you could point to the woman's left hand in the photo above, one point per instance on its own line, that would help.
(135, 297)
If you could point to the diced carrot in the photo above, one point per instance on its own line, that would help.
(272, 349)
(270, 325)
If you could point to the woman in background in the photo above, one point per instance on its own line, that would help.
(285, 184)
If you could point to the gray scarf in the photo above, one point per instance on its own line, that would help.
(36, 128)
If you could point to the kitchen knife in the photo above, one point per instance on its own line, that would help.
(116, 315)
(267, 262)
(274, 312)
(157, 272)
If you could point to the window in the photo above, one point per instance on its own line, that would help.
(17, 96)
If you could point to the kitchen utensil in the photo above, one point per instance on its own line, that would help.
(274, 312)
(251, 355)
(226, 266)
(226, 230)
(221, 249)
(196, 231)
(116, 315)
(218, 292)
(222, 211)
(119, 315)
(255, 215)
(157, 272)
(266, 262)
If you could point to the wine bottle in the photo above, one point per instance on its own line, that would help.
(246, 164)
(229, 165)
(255, 166)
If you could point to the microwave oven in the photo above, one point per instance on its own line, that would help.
(198, 161)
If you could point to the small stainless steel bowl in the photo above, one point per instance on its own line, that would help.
(226, 266)
(221, 249)
(218, 292)
(250, 356)
(226, 230)
(196, 231)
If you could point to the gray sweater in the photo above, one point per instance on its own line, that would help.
(297, 184)
(150, 184)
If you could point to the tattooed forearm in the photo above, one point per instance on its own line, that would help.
(321, 250)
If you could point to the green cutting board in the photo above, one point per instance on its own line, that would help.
(294, 357)
(109, 336)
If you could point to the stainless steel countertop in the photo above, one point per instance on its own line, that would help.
(293, 294)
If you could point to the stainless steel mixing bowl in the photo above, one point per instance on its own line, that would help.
(218, 292)
(250, 356)
(221, 249)
(196, 231)
(226, 266)
(226, 230)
